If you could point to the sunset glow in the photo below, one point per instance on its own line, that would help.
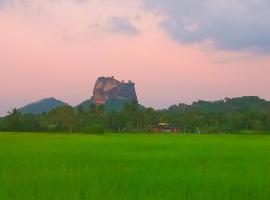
(59, 48)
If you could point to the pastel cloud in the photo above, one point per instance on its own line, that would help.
(76, 18)
(3, 3)
(122, 25)
(230, 24)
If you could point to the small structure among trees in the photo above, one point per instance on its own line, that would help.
(165, 128)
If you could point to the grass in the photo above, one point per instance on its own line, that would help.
(136, 167)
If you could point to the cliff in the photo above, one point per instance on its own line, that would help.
(108, 88)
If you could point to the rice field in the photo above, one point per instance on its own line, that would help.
(134, 167)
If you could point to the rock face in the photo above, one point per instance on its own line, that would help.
(108, 88)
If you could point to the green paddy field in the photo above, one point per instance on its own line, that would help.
(134, 167)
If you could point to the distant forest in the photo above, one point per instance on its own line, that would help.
(236, 115)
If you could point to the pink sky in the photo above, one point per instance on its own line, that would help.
(60, 48)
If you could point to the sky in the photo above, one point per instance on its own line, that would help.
(176, 51)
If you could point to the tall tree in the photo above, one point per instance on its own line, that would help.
(13, 121)
(63, 118)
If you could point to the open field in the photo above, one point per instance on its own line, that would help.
(36, 166)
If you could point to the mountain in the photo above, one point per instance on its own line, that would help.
(108, 91)
(108, 88)
(115, 104)
(111, 93)
(44, 105)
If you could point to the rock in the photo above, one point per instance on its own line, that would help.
(108, 88)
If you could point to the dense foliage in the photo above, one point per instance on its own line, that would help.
(244, 114)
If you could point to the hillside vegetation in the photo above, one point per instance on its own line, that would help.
(237, 115)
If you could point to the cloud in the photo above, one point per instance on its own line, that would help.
(230, 24)
(3, 2)
(76, 20)
(122, 25)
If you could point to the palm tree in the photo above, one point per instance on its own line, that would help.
(14, 120)
(14, 112)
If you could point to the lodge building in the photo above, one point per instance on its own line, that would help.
(165, 128)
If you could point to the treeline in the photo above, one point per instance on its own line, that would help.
(132, 118)
(237, 115)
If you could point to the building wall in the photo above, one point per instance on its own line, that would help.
(165, 130)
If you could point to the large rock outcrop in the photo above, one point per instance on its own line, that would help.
(108, 88)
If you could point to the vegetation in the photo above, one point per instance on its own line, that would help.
(146, 167)
(238, 115)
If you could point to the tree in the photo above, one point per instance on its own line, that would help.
(94, 120)
(62, 119)
(82, 118)
(133, 117)
(31, 122)
(13, 121)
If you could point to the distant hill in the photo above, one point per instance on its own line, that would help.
(44, 105)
